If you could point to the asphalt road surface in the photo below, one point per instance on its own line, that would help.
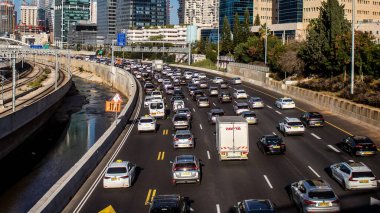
(225, 183)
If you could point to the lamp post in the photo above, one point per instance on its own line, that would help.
(266, 32)
(217, 12)
(352, 48)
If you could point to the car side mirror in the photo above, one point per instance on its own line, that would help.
(171, 162)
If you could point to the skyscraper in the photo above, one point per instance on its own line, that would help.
(106, 20)
(198, 12)
(94, 11)
(67, 13)
(290, 11)
(137, 13)
(228, 8)
(7, 17)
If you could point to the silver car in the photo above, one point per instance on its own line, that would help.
(240, 107)
(183, 139)
(185, 111)
(255, 102)
(203, 102)
(213, 114)
(250, 117)
(314, 196)
(180, 121)
(186, 169)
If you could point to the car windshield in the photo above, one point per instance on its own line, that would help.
(321, 194)
(183, 111)
(146, 121)
(249, 115)
(256, 100)
(272, 140)
(241, 92)
(362, 175)
(287, 100)
(294, 123)
(116, 170)
(218, 113)
(259, 206)
(156, 105)
(315, 115)
(242, 107)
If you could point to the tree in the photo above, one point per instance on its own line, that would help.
(257, 21)
(226, 41)
(237, 31)
(288, 61)
(246, 28)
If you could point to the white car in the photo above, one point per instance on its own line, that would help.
(195, 80)
(178, 104)
(202, 76)
(195, 74)
(147, 124)
(240, 94)
(285, 103)
(354, 175)
(291, 126)
(188, 75)
(147, 100)
(156, 94)
(119, 174)
(236, 81)
(240, 107)
(217, 80)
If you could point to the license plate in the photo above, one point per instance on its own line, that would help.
(276, 147)
(114, 179)
(367, 153)
(363, 181)
(324, 204)
(186, 174)
(317, 124)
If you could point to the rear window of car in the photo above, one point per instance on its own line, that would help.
(184, 136)
(273, 141)
(218, 113)
(287, 100)
(146, 120)
(180, 118)
(116, 170)
(364, 141)
(242, 107)
(321, 194)
(362, 175)
(183, 111)
(315, 115)
(294, 123)
(185, 166)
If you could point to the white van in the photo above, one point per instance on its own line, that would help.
(157, 108)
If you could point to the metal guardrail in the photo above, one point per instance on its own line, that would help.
(153, 49)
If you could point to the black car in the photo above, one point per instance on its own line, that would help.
(178, 92)
(182, 81)
(358, 146)
(176, 97)
(169, 204)
(224, 97)
(312, 119)
(271, 144)
(254, 206)
(192, 89)
(197, 93)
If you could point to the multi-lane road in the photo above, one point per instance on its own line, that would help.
(225, 183)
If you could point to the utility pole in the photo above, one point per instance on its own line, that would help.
(62, 36)
(13, 58)
(353, 48)
(56, 71)
(266, 32)
(217, 10)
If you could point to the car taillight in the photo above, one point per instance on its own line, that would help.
(288, 126)
(190, 139)
(124, 177)
(309, 202)
(107, 177)
(245, 153)
(358, 146)
(335, 201)
(176, 139)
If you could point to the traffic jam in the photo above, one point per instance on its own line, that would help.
(167, 92)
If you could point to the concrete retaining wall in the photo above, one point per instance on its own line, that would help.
(255, 75)
(60, 193)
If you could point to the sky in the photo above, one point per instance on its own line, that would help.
(173, 10)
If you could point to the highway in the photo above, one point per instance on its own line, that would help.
(225, 183)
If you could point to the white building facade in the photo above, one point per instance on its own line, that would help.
(175, 34)
(29, 15)
(202, 13)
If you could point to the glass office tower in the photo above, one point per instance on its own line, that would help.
(228, 8)
(289, 11)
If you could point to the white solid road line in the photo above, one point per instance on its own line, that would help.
(214, 104)
(278, 112)
(268, 182)
(187, 98)
(217, 208)
(333, 148)
(193, 109)
(314, 171)
(269, 106)
(274, 133)
(316, 136)
(200, 125)
(208, 155)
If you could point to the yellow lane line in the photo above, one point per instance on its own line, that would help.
(148, 197)
(153, 194)
(163, 132)
(163, 155)
(159, 156)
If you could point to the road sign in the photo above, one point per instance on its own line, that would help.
(116, 98)
(112, 106)
(121, 39)
(108, 209)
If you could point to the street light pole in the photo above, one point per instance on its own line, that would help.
(352, 48)
(266, 32)
(217, 10)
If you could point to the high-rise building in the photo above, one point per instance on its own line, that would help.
(290, 11)
(198, 12)
(266, 9)
(168, 11)
(7, 17)
(228, 8)
(67, 13)
(29, 15)
(106, 20)
(94, 11)
(137, 13)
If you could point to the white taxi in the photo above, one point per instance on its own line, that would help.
(285, 103)
(146, 124)
(354, 175)
(119, 174)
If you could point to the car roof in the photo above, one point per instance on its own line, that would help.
(185, 158)
(241, 104)
(118, 163)
(286, 98)
(362, 139)
(240, 90)
(272, 137)
(216, 110)
(317, 184)
(256, 204)
(183, 132)
(255, 98)
(166, 200)
(146, 117)
(357, 166)
(292, 119)
(248, 113)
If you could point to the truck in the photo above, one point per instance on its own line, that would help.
(232, 138)
(157, 65)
